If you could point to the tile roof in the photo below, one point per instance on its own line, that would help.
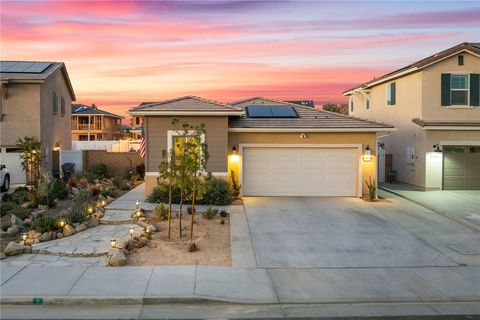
(418, 65)
(82, 109)
(25, 71)
(423, 123)
(186, 104)
(309, 118)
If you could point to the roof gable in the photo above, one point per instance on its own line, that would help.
(82, 109)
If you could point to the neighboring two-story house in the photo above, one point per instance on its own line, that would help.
(434, 103)
(35, 101)
(91, 124)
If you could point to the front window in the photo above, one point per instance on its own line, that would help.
(459, 87)
(391, 94)
(178, 147)
(367, 103)
(351, 104)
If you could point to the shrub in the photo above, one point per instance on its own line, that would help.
(217, 192)
(121, 184)
(161, 211)
(371, 188)
(94, 191)
(211, 213)
(235, 187)
(20, 196)
(44, 223)
(140, 169)
(43, 193)
(22, 213)
(160, 194)
(76, 215)
(72, 181)
(222, 221)
(7, 197)
(48, 191)
(58, 189)
(83, 182)
(98, 170)
(189, 210)
(223, 213)
(108, 192)
(83, 197)
(5, 208)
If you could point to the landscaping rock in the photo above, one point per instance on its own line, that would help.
(59, 235)
(76, 224)
(75, 191)
(3, 234)
(36, 213)
(27, 204)
(68, 230)
(116, 258)
(110, 199)
(13, 230)
(46, 236)
(27, 221)
(32, 234)
(2, 256)
(16, 221)
(92, 223)
(80, 228)
(14, 249)
(42, 207)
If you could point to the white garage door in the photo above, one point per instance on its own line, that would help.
(300, 171)
(12, 161)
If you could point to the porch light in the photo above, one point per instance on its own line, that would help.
(113, 243)
(303, 135)
(234, 150)
(56, 147)
(234, 156)
(367, 157)
(436, 148)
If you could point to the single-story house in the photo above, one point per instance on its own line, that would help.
(275, 148)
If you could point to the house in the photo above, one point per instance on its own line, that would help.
(306, 103)
(434, 103)
(35, 101)
(275, 148)
(136, 129)
(92, 123)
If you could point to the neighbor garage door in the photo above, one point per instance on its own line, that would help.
(12, 161)
(461, 167)
(300, 171)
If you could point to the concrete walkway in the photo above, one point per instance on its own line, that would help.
(460, 205)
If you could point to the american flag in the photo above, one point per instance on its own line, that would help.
(142, 144)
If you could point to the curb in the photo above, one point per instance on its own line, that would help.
(443, 213)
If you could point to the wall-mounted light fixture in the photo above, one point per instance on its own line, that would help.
(436, 148)
(56, 147)
(367, 156)
(234, 156)
(303, 135)
(234, 150)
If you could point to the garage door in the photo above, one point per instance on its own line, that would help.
(461, 167)
(12, 161)
(300, 171)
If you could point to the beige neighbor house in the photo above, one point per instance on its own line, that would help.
(90, 123)
(434, 103)
(275, 148)
(35, 101)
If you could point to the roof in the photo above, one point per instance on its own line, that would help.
(187, 105)
(444, 124)
(82, 109)
(419, 65)
(33, 72)
(308, 119)
(307, 103)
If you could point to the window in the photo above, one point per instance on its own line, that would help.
(367, 103)
(460, 60)
(62, 107)
(391, 94)
(176, 142)
(137, 121)
(54, 103)
(351, 103)
(459, 89)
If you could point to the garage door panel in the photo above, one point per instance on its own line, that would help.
(300, 171)
(461, 167)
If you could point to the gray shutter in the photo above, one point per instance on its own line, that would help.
(394, 94)
(474, 89)
(446, 89)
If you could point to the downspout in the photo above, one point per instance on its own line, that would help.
(376, 180)
(88, 127)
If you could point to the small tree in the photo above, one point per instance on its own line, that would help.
(168, 174)
(234, 186)
(31, 156)
(372, 188)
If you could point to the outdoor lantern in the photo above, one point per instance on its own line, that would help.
(24, 237)
(137, 203)
(113, 243)
(103, 203)
(147, 229)
(62, 224)
(130, 231)
(368, 154)
(139, 213)
(234, 150)
(90, 210)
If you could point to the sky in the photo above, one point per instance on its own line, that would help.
(121, 53)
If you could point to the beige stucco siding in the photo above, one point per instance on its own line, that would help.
(216, 137)
(368, 168)
(21, 113)
(431, 99)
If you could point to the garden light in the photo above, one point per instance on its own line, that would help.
(90, 210)
(103, 203)
(113, 243)
(130, 231)
(24, 237)
(62, 224)
(139, 214)
(137, 203)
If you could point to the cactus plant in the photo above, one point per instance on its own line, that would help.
(372, 188)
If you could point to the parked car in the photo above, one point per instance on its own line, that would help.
(4, 178)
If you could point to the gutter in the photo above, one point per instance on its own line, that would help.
(283, 130)
(187, 113)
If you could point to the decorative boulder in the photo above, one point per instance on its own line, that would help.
(116, 258)
(92, 223)
(46, 236)
(13, 230)
(27, 204)
(16, 221)
(59, 235)
(14, 249)
(81, 227)
(32, 234)
(68, 230)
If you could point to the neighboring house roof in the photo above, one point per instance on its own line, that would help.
(32, 72)
(306, 103)
(188, 105)
(82, 109)
(309, 119)
(441, 125)
(473, 48)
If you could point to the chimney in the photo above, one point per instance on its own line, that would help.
(94, 106)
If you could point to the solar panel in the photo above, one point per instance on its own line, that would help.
(23, 67)
(4, 65)
(20, 67)
(271, 112)
(38, 67)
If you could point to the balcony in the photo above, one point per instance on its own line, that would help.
(86, 126)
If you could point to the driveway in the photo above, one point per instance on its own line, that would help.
(333, 232)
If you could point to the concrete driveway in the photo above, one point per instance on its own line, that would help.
(332, 232)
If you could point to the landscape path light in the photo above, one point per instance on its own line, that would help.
(113, 243)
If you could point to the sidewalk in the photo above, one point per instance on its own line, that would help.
(460, 205)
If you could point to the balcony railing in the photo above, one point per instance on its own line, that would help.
(86, 126)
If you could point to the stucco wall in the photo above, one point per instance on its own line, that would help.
(156, 128)
(55, 128)
(368, 168)
(21, 112)
(431, 77)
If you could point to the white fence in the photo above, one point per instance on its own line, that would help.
(109, 145)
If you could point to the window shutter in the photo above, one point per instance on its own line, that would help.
(394, 93)
(446, 89)
(474, 89)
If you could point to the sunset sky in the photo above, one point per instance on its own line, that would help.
(121, 53)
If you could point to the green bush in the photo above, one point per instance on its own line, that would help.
(44, 223)
(211, 213)
(189, 210)
(58, 189)
(161, 211)
(20, 196)
(22, 213)
(160, 194)
(223, 213)
(98, 170)
(217, 192)
(6, 207)
(108, 192)
(43, 194)
(7, 197)
(47, 192)
(76, 215)
(121, 184)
